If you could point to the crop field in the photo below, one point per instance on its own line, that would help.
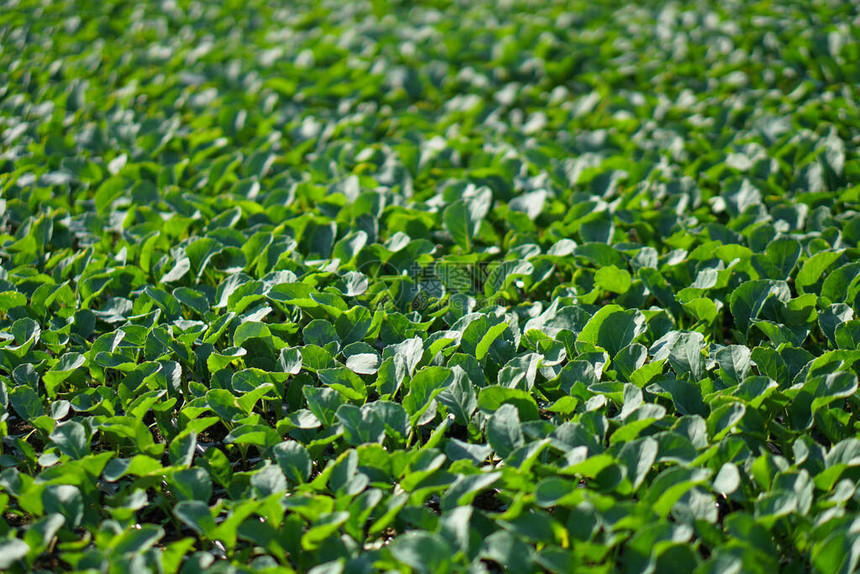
(428, 287)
